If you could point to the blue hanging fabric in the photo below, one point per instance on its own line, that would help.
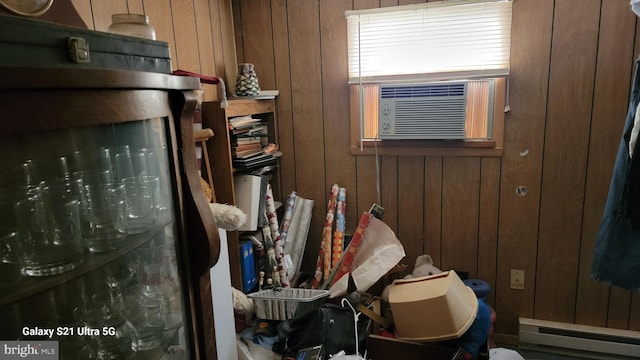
(616, 258)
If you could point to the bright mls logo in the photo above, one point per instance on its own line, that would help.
(10, 350)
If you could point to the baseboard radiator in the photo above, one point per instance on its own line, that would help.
(580, 340)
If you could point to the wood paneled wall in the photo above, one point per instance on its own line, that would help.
(199, 32)
(571, 67)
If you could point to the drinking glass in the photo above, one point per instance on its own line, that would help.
(107, 213)
(9, 267)
(50, 235)
(157, 164)
(140, 206)
(153, 182)
(107, 312)
(103, 160)
(157, 273)
(148, 329)
(62, 190)
(139, 163)
(123, 163)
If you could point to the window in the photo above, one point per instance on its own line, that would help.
(459, 40)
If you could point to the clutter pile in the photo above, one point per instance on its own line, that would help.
(335, 315)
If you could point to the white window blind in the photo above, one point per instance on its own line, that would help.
(432, 41)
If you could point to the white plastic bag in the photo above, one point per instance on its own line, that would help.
(379, 252)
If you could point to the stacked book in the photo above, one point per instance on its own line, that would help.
(250, 147)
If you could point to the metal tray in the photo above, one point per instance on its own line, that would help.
(286, 303)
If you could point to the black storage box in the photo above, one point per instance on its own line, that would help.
(27, 42)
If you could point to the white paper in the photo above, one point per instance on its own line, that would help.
(378, 253)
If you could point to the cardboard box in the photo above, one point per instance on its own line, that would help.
(432, 308)
(385, 348)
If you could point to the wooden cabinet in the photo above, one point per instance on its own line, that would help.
(217, 119)
(57, 123)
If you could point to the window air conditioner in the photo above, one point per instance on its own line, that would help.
(436, 110)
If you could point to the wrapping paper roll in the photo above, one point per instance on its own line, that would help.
(338, 235)
(323, 264)
(328, 230)
(301, 234)
(272, 218)
(292, 228)
(269, 247)
(286, 219)
(349, 254)
(292, 233)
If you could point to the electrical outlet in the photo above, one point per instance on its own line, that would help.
(517, 279)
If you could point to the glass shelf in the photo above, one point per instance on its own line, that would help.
(30, 286)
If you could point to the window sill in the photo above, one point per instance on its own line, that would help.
(428, 148)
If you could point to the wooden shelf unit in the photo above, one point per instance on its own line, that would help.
(219, 149)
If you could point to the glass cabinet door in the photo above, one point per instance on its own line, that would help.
(88, 231)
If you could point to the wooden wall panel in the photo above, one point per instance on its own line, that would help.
(522, 159)
(135, 6)
(225, 55)
(619, 307)
(572, 73)
(634, 314)
(185, 35)
(366, 191)
(306, 98)
(160, 16)
(83, 7)
(488, 223)
(411, 200)
(365, 165)
(283, 84)
(460, 205)
(365, 4)
(237, 28)
(205, 43)
(340, 166)
(613, 75)
(258, 42)
(102, 11)
(389, 190)
(433, 209)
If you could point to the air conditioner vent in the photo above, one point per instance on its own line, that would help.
(423, 111)
(422, 91)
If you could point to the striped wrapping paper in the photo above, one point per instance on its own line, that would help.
(269, 247)
(275, 234)
(339, 233)
(350, 253)
(328, 227)
(323, 265)
(286, 219)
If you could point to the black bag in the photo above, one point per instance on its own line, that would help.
(329, 325)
